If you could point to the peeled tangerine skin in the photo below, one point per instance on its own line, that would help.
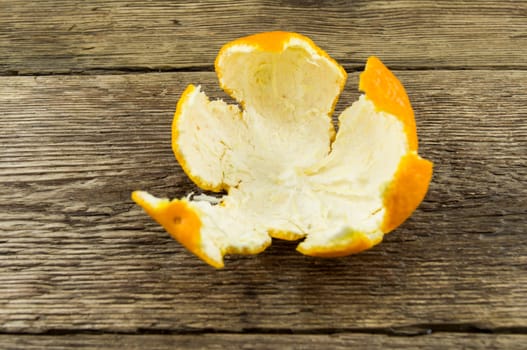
(285, 173)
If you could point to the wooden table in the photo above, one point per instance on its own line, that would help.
(87, 93)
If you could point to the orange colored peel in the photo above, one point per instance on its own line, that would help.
(406, 191)
(355, 242)
(179, 220)
(270, 42)
(267, 41)
(413, 175)
(285, 235)
(251, 154)
(388, 94)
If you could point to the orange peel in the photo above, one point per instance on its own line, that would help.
(287, 173)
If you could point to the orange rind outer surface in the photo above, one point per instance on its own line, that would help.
(387, 93)
(180, 220)
(406, 191)
(413, 175)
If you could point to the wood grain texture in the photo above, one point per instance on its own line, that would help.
(438, 341)
(77, 255)
(78, 36)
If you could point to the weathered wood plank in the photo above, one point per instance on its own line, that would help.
(266, 341)
(66, 36)
(77, 254)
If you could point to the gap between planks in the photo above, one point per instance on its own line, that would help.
(257, 341)
(359, 67)
(399, 331)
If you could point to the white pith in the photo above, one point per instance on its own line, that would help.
(276, 157)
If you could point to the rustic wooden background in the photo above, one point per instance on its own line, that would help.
(87, 93)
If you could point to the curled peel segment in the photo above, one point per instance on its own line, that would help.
(179, 220)
(389, 95)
